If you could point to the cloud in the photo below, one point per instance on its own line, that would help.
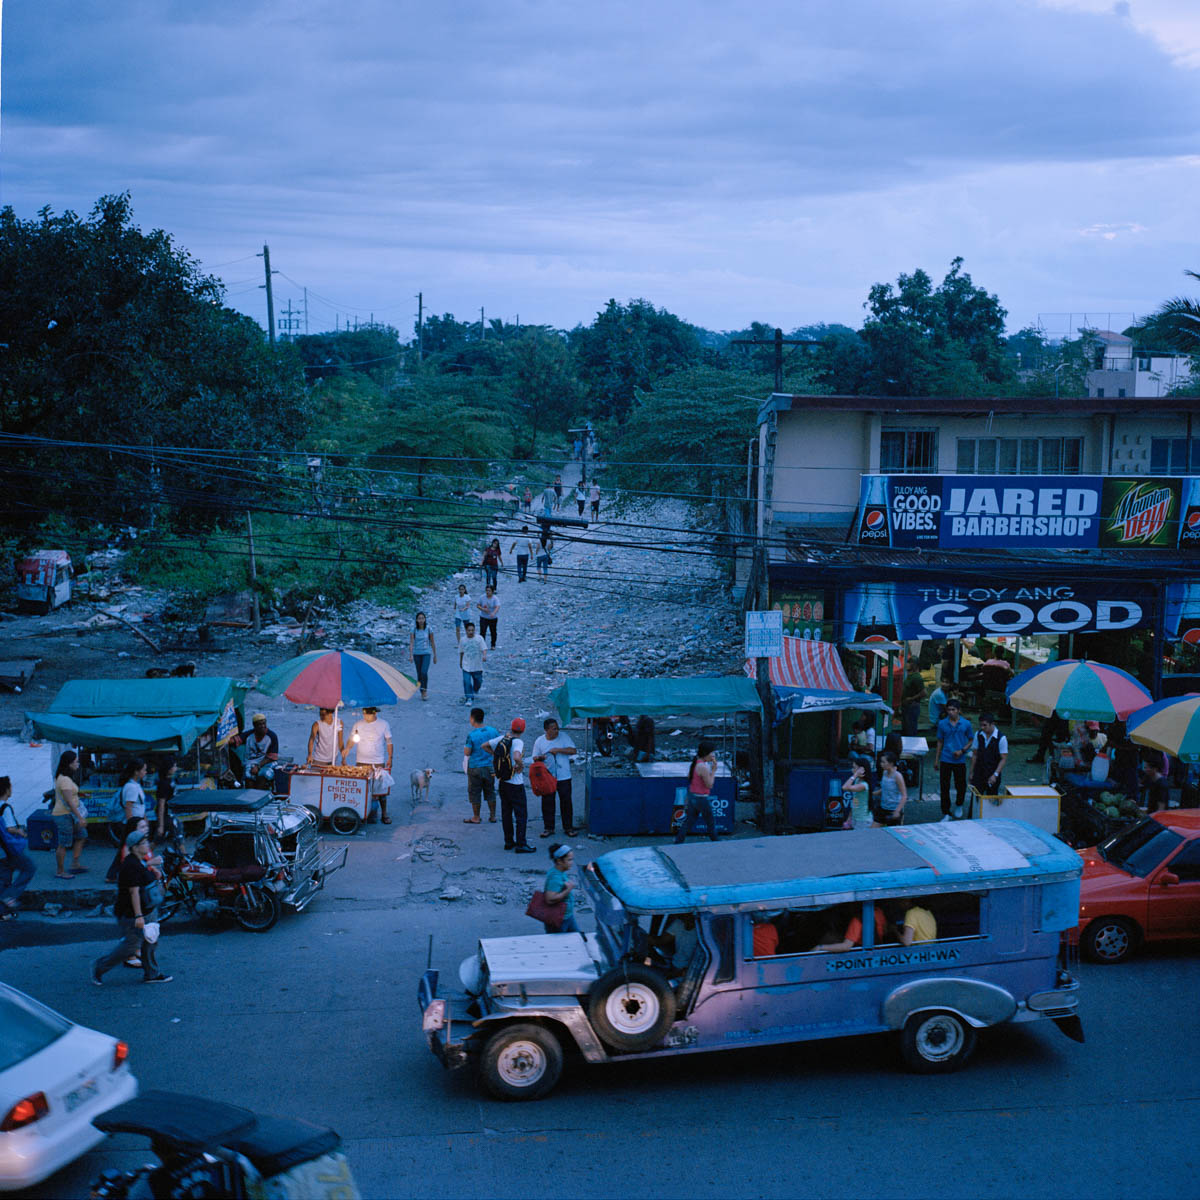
(541, 157)
(1111, 232)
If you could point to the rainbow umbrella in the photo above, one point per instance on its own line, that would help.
(1077, 691)
(1170, 725)
(332, 678)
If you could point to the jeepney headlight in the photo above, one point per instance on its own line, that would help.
(434, 1017)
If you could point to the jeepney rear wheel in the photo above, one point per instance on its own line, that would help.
(344, 821)
(631, 1007)
(521, 1062)
(256, 908)
(936, 1042)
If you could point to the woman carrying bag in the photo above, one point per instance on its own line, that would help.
(139, 893)
(70, 817)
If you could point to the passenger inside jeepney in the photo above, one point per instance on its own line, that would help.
(765, 938)
(672, 945)
(852, 931)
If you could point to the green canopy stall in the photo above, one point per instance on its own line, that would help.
(643, 803)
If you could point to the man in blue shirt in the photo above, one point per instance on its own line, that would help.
(479, 767)
(954, 738)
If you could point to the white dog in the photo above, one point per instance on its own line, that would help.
(420, 784)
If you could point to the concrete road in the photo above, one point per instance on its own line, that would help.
(318, 1019)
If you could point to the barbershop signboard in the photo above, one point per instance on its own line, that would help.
(1074, 512)
(905, 609)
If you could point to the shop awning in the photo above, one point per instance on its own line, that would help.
(809, 677)
(700, 697)
(135, 735)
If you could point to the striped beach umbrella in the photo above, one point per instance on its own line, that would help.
(1077, 691)
(1172, 726)
(329, 678)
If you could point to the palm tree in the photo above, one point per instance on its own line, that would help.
(1175, 326)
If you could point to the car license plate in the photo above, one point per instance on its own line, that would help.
(81, 1095)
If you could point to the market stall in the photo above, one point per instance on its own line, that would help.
(108, 720)
(640, 800)
(341, 793)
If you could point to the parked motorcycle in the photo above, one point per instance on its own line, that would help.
(201, 889)
(209, 1149)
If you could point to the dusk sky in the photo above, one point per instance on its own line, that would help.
(728, 162)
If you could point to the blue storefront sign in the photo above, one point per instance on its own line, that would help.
(1073, 512)
(910, 610)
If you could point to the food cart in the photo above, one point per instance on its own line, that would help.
(641, 798)
(341, 794)
(108, 720)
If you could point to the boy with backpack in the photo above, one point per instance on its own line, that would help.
(479, 767)
(508, 764)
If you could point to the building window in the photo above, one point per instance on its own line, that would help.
(1120, 393)
(908, 451)
(1143, 362)
(1099, 393)
(1020, 456)
(1170, 456)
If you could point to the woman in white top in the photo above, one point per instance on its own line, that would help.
(325, 739)
(133, 796)
(462, 610)
(422, 649)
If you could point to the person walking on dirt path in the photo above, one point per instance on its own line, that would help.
(556, 750)
(581, 496)
(139, 893)
(527, 500)
(462, 610)
(489, 614)
(371, 740)
(326, 740)
(523, 548)
(595, 498)
(480, 779)
(545, 545)
(422, 648)
(493, 560)
(514, 803)
(472, 654)
(548, 500)
(558, 491)
(69, 821)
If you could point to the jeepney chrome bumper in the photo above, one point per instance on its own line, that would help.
(439, 1016)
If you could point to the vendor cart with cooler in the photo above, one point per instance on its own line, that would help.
(339, 794)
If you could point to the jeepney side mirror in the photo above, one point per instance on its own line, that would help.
(1167, 878)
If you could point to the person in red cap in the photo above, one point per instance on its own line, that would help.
(508, 757)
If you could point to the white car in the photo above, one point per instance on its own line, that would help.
(55, 1076)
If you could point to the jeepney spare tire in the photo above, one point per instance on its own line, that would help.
(631, 1007)
(344, 821)
(935, 1041)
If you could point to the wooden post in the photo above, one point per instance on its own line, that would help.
(255, 615)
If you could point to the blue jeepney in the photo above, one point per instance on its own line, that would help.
(930, 931)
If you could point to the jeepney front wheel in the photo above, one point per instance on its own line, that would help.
(936, 1042)
(521, 1062)
(631, 1007)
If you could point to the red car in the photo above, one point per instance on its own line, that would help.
(1142, 884)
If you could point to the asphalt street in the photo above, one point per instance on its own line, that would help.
(318, 1019)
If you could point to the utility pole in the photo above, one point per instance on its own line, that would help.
(255, 615)
(778, 341)
(306, 312)
(291, 319)
(420, 326)
(482, 330)
(266, 257)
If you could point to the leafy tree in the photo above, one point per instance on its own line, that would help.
(1174, 326)
(545, 387)
(627, 347)
(373, 350)
(1045, 368)
(924, 340)
(115, 335)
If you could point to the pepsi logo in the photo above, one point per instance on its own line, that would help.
(876, 517)
(1191, 636)
(1193, 519)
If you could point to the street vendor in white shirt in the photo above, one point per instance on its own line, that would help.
(325, 739)
(371, 741)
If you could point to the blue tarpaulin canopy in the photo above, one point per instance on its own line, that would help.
(701, 697)
(136, 715)
(790, 702)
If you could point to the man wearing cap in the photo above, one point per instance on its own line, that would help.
(262, 750)
(514, 804)
(371, 740)
(954, 736)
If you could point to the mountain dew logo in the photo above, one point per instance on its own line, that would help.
(1141, 514)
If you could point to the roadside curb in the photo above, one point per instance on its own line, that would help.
(36, 899)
